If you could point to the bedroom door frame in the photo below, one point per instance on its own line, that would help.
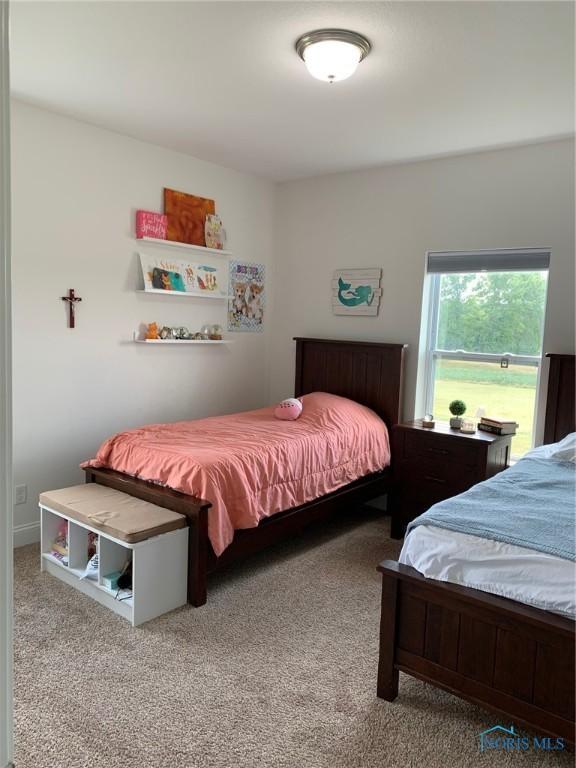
(6, 536)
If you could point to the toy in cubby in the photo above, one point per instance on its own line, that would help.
(59, 548)
(91, 570)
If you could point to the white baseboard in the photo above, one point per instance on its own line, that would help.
(29, 533)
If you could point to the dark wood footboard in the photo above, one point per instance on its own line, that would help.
(270, 531)
(508, 657)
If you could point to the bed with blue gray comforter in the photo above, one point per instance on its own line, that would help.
(530, 505)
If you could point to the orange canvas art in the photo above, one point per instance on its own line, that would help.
(186, 216)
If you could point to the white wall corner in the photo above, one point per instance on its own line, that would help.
(28, 533)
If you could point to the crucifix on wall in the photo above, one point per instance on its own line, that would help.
(71, 299)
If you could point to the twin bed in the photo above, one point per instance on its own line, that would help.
(247, 481)
(482, 601)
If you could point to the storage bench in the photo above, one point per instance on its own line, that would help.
(154, 539)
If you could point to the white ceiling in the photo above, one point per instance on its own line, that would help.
(221, 80)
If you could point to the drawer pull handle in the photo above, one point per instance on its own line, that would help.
(442, 451)
(431, 479)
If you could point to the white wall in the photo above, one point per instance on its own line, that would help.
(75, 191)
(389, 217)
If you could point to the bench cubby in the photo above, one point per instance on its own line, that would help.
(159, 566)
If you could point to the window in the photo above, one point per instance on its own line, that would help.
(484, 335)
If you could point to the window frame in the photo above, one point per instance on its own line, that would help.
(432, 353)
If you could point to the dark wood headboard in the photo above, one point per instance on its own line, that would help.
(560, 419)
(365, 371)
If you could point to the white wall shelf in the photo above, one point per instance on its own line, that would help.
(159, 567)
(184, 246)
(165, 342)
(188, 294)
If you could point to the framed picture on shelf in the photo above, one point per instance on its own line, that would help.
(182, 275)
(247, 297)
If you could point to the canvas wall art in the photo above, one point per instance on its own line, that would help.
(356, 292)
(187, 216)
(165, 274)
(247, 297)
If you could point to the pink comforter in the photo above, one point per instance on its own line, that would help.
(251, 465)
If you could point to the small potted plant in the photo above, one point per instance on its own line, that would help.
(457, 408)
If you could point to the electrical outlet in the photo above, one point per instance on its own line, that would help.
(20, 494)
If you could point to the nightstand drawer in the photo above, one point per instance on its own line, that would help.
(436, 476)
(419, 445)
(438, 467)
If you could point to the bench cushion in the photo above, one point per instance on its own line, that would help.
(119, 515)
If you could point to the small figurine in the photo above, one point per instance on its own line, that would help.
(428, 421)
(152, 331)
(168, 333)
(215, 332)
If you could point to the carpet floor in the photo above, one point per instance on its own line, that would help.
(278, 670)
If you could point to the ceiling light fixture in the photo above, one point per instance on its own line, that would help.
(332, 54)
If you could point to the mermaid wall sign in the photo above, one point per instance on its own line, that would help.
(356, 292)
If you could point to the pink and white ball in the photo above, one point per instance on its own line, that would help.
(288, 410)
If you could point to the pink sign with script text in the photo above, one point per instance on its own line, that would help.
(150, 224)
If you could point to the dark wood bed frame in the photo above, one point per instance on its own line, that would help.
(368, 372)
(505, 656)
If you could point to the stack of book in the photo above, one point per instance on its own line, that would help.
(497, 426)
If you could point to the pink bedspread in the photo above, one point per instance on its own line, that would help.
(251, 465)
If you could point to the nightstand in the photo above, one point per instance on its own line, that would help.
(429, 465)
